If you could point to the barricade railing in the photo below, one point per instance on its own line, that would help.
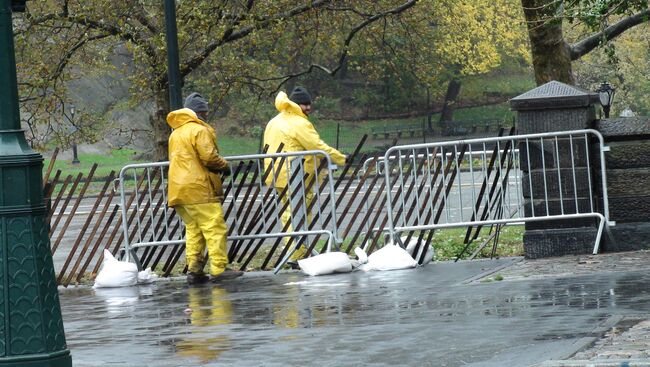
(377, 165)
(267, 196)
(496, 181)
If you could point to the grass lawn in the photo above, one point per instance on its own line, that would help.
(505, 82)
(449, 243)
(105, 163)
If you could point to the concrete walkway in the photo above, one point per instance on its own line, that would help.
(479, 313)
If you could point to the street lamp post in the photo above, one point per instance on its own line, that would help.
(30, 313)
(173, 60)
(75, 159)
(606, 96)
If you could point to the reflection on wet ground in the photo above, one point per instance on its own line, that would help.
(424, 317)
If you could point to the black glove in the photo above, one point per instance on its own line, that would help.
(348, 158)
(225, 171)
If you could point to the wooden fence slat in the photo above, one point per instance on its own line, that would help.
(81, 234)
(98, 242)
(48, 171)
(66, 201)
(75, 206)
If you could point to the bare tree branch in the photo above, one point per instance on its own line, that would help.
(586, 45)
(231, 36)
(103, 26)
(141, 17)
(346, 44)
(115, 30)
(68, 55)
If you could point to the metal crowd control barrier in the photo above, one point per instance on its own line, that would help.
(267, 196)
(378, 164)
(496, 181)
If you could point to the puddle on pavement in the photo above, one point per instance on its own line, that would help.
(312, 302)
(223, 318)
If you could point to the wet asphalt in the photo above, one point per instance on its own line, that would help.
(438, 315)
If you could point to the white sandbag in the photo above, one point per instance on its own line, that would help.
(361, 255)
(116, 273)
(327, 263)
(147, 276)
(410, 248)
(389, 257)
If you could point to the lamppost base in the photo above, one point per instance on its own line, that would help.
(57, 359)
(30, 314)
(75, 159)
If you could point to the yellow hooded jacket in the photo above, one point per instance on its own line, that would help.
(193, 160)
(292, 128)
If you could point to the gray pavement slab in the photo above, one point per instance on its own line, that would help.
(431, 316)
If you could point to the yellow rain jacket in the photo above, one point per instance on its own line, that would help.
(193, 160)
(292, 128)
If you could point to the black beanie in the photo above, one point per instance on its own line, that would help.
(300, 96)
(196, 103)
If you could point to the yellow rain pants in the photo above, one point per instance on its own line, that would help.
(286, 218)
(204, 226)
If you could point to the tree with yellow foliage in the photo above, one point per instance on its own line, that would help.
(443, 41)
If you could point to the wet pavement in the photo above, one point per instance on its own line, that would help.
(444, 314)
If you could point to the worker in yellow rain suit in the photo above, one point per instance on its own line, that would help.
(194, 189)
(292, 128)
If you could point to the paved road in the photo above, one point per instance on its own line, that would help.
(432, 316)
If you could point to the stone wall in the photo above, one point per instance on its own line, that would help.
(628, 181)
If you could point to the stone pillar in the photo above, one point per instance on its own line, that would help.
(628, 181)
(555, 106)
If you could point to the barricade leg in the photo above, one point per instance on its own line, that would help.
(296, 215)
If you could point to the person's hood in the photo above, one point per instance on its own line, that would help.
(284, 104)
(178, 118)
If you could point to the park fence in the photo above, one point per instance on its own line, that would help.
(405, 195)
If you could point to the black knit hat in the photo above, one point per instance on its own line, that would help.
(300, 96)
(196, 103)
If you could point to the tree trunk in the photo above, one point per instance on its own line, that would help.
(159, 125)
(550, 51)
(448, 108)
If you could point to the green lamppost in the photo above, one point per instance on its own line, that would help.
(30, 313)
(173, 60)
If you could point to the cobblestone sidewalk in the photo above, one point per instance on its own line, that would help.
(627, 343)
(574, 265)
